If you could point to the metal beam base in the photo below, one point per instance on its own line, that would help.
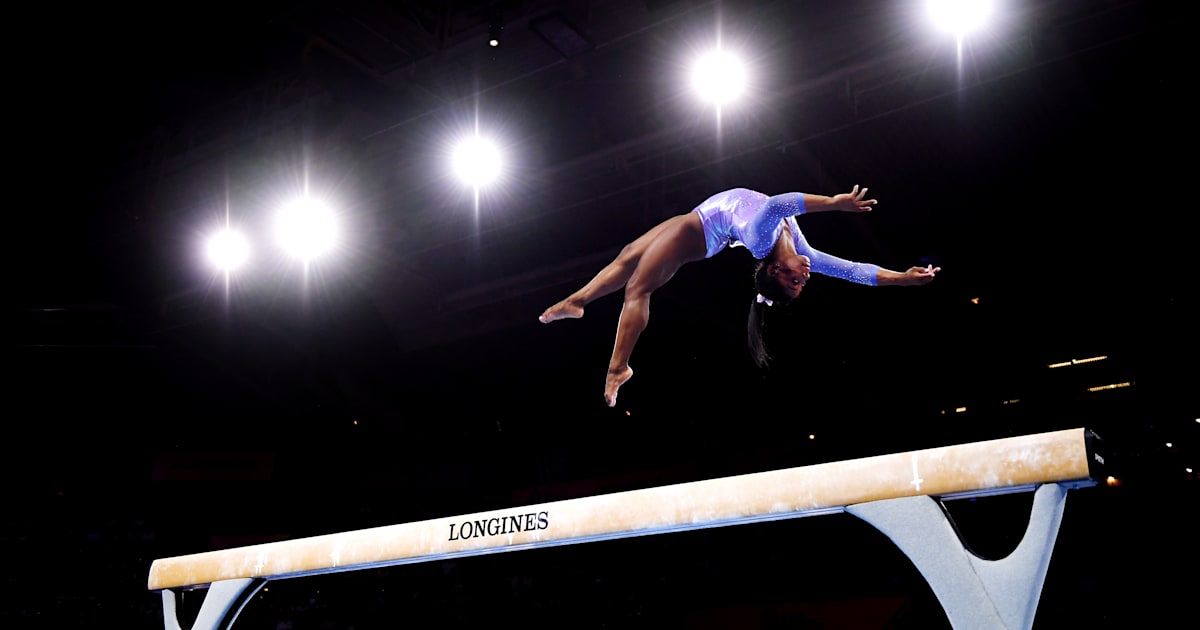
(222, 604)
(975, 593)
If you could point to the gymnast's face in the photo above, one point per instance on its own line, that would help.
(792, 274)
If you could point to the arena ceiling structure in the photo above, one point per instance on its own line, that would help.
(1015, 157)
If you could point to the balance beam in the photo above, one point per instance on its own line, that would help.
(892, 492)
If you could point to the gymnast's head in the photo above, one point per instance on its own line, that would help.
(778, 282)
(781, 280)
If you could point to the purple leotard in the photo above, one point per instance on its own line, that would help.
(750, 219)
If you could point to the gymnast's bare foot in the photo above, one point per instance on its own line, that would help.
(565, 309)
(614, 382)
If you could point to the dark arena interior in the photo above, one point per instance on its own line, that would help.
(161, 406)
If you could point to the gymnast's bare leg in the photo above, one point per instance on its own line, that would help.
(642, 266)
(611, 277)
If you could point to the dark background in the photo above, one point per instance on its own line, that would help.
(158, 410)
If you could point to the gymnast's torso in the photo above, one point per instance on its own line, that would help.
(740, 217)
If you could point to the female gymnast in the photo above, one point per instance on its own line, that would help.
(765, 225)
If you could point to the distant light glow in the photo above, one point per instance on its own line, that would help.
(959, 409)
(477, 161)
(958, 17)
(227, 250)
(718, 77)
(1078, 361)
(1112, 386)
(306, 228)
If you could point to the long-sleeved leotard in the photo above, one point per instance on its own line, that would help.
(750, 219)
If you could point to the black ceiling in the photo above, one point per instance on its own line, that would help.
(1030, 165)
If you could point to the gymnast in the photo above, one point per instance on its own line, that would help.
(739, 217)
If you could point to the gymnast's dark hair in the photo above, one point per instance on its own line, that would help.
(768, 288)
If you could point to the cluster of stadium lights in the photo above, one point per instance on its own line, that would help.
(307, 228)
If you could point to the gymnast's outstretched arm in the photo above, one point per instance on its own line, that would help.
(863, 273)
(784, 205)
(853, 201)
(915, 276)
(760, 232)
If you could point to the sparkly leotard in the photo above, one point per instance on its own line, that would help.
(750, 219)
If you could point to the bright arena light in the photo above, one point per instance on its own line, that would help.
(718, 77)
(958, 17)
(477, 161)
(306, 228)
(227, 250)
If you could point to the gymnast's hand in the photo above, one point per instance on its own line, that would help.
(853, 201)
(919, 275)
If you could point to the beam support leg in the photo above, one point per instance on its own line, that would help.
(222, 604)
(975, 593)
